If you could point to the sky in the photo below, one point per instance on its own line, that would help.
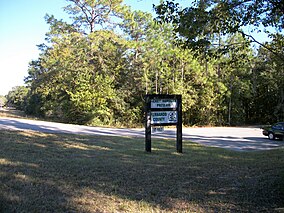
(22, 28)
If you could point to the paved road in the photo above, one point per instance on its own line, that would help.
(235, 138)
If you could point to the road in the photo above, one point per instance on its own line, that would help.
(234, 138)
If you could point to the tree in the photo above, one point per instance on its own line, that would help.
(17, 97)
(88, 74)
(236, 73)
(3, 101)
(197, 24)
(73, 79)
(268, 83)
(90, 13)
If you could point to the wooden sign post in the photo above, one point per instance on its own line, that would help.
(163, 110)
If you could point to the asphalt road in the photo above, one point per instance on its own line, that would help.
(234, 138)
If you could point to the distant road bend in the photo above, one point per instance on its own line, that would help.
(234, 138)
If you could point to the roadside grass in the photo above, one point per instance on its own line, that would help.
(78, 173)
(13, 113)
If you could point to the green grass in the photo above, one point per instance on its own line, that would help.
(74, 173)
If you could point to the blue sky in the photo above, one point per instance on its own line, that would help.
(22, 27)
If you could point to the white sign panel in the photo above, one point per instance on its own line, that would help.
(157, 129)
(163, 103)
(163, 117)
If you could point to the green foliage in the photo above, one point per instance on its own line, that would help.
(235, 70)
(197, 25)
(94, 75)
(269, 83)
(17, 97)
(88, 14)
(3, 100)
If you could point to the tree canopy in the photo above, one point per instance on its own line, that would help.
(97, 69)
(199, 23)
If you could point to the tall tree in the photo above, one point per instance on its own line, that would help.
(199, 22)
(236, 74)
(91, 13)
(268, 102)
(96, 75)
(17, 97)
(73, 78)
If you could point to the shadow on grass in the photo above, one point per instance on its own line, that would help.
(71, 173)
(228, 142)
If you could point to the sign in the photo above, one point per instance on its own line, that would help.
(164, 117)
(163, 103)
(163, 110)
(157, 129)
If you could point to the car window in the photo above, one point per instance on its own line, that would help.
(278, 127)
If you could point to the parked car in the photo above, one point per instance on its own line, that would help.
(274, 131)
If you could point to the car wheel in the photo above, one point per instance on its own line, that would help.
(271, 136)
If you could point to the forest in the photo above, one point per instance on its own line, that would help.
(96, 68)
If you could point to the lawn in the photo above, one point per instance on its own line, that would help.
(78, 173)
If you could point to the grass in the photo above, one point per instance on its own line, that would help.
(12, 113)
(15, 113)
(77, 173)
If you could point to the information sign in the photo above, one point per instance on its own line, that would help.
(163, 110)
(163, 103)
(164, 117)
(157, 129)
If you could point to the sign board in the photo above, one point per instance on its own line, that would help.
(163, 110)
(157, 129)
(164, 117)
(163, 103)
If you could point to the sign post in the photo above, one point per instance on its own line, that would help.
(163, 110)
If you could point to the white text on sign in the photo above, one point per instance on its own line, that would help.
(163, 103)
(163, 117)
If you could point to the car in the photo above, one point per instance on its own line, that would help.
(274, 131)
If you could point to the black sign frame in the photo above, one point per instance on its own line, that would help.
(149, 110)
